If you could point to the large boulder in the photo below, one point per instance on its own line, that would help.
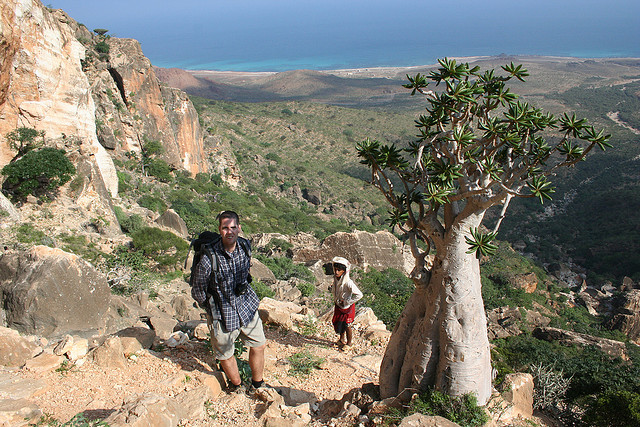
(49, 292)
(378, 250)
(172, 220)
(627, 315)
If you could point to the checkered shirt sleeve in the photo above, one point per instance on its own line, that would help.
(200, 280)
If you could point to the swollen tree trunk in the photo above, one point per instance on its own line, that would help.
(441, 337)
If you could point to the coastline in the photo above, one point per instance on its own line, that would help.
(235, 77)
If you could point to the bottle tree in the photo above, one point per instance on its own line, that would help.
(478, 146)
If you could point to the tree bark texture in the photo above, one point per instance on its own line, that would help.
(441, 337)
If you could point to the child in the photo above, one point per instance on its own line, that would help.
(345, 295)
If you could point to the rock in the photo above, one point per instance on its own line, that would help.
(421, 420)
(170, 219)
(570, 338)
(15, 349)
(49, 292)
(163, 326)
(184, 308)
(14, 387)
(503, 322)
(130, 345)
(526, 282)
(19, 412)
(312, 196)
(278, 312)
(39, 45)
(213, 382)
(176, 339)
(110, 354)
(626, 317)
(192, 401)
(148, 410)
(378, 250)
(7, 206)
(144, 336)
(44, 363)
(201, 331)
(518, 393)
(261, 272)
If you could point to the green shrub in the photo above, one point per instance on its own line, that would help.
(284, 268)
(386, 292)
(80, 246)
(263, 290)
(463, 410)
(153, 203)
(102, 47)
(164, 247)
(617, 408)
(307, 289)
(303, 363)
(124, 182)
(40, 172)
(160, 169)
(27, 233)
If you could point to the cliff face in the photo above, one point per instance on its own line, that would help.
(133, 107)
(42, 85)
(112, 102)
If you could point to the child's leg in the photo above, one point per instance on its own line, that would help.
(343, 335)
(349, 334)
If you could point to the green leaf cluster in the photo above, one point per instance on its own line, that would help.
(38, 172)
(162, 246)
(478, 146)
(386, 292)
(284, 268)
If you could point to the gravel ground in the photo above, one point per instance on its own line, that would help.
(97, 392)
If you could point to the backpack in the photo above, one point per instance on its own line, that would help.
(203, 246)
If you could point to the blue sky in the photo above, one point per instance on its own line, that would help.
(255, 35)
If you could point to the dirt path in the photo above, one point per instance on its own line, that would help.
(97, 392)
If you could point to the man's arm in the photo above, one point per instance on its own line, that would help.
(200, 281)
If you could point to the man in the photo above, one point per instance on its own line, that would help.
(233, 309)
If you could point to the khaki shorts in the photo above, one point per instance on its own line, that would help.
(223, 342)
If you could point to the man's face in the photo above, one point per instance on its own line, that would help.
(229, 231)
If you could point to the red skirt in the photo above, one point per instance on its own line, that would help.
(342, 317)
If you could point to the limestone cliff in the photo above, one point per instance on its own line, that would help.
(42, 84)
(54, 79)
(132, 106)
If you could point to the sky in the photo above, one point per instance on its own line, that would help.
(275, 35)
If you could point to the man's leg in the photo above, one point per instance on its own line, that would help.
(256, 362)
(230, 368)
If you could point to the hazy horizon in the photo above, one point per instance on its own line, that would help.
(254, 35)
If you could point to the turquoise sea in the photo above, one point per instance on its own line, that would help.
(278, 35)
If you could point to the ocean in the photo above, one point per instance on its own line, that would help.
(279, 35)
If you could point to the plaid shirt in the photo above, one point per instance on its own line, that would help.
(233, 268)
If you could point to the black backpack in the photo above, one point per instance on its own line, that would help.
(203, 246)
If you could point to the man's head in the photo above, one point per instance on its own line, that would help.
(229, 228)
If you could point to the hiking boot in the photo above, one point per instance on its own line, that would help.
(236, 389)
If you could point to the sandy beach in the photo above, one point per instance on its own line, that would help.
(239, 77)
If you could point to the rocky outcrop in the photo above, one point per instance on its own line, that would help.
(377, 250)
(138, 109)
(171, 220)
(627, 315)
(42, 84)
(50, 292)
(570, 338)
